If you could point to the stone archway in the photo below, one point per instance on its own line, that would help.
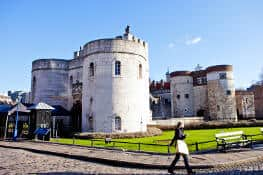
(76, 114)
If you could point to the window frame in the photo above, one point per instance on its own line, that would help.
(117, 123)
(117, 68)
(222, 75)
(91, 69)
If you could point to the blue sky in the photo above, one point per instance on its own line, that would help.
(181, 34)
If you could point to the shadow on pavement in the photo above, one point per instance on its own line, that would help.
(230, 172)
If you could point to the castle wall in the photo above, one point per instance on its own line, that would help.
(200, 101)
(75, 75)
(221, 94)
(174, 121)
(245, 104)
(161, 108)
(50, 82)
(106, 95)
(182, 95)
(258, 99)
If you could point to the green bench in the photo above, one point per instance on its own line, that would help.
(227, 140)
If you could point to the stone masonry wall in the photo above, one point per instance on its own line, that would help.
(221, 104)
(182, 96)
(200, 100)
(50, 82)
(245, 106)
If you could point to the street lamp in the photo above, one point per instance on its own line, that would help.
(15, 132)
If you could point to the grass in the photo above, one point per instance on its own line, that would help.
(193, 136)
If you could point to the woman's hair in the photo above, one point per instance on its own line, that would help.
(179, 124)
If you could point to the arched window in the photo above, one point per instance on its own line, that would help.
(117, 68)
(117, 123)
(91, 69)
(91, 100)
(140, 71)
(90, 127)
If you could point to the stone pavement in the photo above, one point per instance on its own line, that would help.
(138, 160)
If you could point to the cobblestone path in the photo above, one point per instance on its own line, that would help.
(15, 161)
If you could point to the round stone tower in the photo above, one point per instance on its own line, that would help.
(49, 81)
(182, 93)
(221, 93)
(115, 85)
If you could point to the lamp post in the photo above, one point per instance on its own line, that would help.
(15, 132)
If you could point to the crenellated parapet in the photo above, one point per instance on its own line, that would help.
(121, 44)
(50, 63)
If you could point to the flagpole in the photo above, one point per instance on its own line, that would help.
(15, 132)
(6, 125)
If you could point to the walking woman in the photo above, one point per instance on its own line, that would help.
(181, 149)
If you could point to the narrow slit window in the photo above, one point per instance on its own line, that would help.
(140, 71)
(117, 68)
(92, 70)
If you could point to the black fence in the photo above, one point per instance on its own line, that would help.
(131, 146)
(138, 146)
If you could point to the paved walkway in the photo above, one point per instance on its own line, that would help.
(138, 160)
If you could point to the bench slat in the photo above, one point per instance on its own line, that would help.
(225, 134)
(232, 138)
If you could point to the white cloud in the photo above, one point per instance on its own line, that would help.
(193, 40)
(171, 45)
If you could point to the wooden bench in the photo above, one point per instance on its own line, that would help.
(228, 140)
(107, 140)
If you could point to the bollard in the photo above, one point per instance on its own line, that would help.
(168, 149)
(196, 146)
(139, 146)
(73, 140)
(91, 143)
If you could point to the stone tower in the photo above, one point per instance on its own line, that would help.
(182, 93)
(221, 93)
(115, 95)
(49, 81)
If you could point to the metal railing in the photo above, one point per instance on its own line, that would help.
(114, 144)
(124, 145)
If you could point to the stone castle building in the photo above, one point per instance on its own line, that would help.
(208, 93)
(105, 85)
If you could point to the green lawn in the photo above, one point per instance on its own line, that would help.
(193, 136)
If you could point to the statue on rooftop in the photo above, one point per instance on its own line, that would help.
(127, 29)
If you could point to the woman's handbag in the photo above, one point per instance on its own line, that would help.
(181, 147)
